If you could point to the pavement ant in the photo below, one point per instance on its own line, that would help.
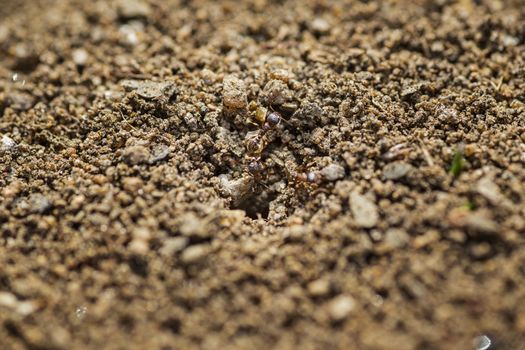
(305, 178)
(256, 142)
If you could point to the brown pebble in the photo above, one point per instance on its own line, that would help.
(135, 155)
(319, 288)
(132, 184)
(234, 93)
(364, 210)
(194, 253)
(173, 245)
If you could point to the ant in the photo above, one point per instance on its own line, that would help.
(310, 178)
(256, 142)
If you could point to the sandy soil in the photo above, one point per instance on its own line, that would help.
(149, 202)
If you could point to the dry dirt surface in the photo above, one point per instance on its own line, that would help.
(149, 201)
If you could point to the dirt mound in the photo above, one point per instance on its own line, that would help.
(262, 174)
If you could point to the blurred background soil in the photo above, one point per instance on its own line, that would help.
(129, 220)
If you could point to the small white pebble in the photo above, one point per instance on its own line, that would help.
(194, 253)
(364, 210)
(340, 307)
(319, 288)
(320, 25)
(8, 299)
(174, 245)
(481, 342)
(139, 246)
(25, 308)
(80, 57)
(7, 143)
(333, 172)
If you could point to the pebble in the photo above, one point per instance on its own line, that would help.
(234, 93)
(509, 40)
(282, 74)
(396, 170)
(159, 152)
(141, 233)
(38, 203)
(410, 90)
(320, 26)
(396, 238)
(333, 172)
(130, 33)
(319, 288)
(132, 184)
(148, 89)
(478, 222)
(194, 253)
(365, 211)
(10, 301)
(7, 143)
(80, 57)
(173, 245)
(275, 92)
(236, 189)
(488, 189)
(480, 250)
(134, 155)
(129, 9)
(25, 308)
(340, 307)
(481, 342)
(428, 238)
(139, 246)
(20, 101)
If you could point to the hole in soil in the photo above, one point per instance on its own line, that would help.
(127, 322)
(139, 266)
(26, 64)
(12, 329)
(257, 205)
(172, 324)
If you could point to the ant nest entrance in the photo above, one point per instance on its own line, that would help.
(257, 205)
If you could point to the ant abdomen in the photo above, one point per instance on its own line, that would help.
(273, 119)
(310, 177)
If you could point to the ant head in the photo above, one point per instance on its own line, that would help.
(254, 167)
(273, 118)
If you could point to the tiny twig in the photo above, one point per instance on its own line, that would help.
(124, 118)
(426, 153)
(494, 85)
